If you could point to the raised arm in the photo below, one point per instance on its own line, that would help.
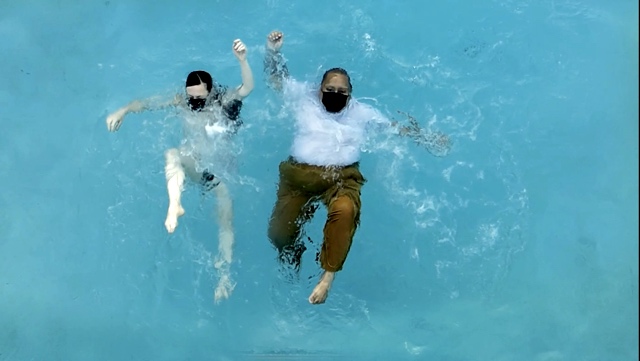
(240, 51)
(275, 66)
(114, 120)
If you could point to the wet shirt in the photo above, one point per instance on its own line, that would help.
(323, 138)
(208, 134)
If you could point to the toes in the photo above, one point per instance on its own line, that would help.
(318, 296)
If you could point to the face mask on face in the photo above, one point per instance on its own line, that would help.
(197, 104)
(334, 102)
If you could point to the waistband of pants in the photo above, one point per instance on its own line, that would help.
(292, 160)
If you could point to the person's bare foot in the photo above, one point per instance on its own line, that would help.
(321, 291)
(173, 213)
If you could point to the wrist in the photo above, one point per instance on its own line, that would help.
(134, 106)
(273, 49)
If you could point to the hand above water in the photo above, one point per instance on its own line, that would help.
(275, 40)
(239, 50)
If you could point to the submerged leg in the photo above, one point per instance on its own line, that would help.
(174, 173)
(290, 212)
(225, 242)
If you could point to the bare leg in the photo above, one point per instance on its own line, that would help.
(225, 242)
(174, 174)
(321, 291)
(189, 166)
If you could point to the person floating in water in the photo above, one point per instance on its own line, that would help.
(212, 116)
(323, 165)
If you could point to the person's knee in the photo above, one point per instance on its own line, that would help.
(281, 234)
(171, 154)
(277, 237)
(343, 207)
(173, 166)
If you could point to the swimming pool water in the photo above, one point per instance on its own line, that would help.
(521, 244)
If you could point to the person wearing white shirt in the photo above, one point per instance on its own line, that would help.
(323, 166)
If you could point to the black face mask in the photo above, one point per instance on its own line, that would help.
(334, 102)
(197, 104)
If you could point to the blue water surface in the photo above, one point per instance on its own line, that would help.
(521, 244)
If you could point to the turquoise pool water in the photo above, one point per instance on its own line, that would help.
(521, 244)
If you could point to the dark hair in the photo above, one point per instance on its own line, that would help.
(337, 71)
(200, 77)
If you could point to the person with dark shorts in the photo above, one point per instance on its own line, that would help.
(211, 116)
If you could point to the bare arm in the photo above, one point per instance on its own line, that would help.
(275, 66)
(114, 120)
(244, 89)
(153, 103)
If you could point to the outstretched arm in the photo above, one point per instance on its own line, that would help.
(240, 51)
(275, 66)
(436, 143)
(114, 120)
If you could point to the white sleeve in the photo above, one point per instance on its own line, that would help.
(378, 118)
(292, 88)
(372, 116)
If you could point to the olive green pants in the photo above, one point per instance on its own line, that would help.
(300, 187)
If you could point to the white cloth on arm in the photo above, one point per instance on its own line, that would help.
(324, 138)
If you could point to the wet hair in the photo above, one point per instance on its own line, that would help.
(231, 108)
(337, 71)
(200, 77)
